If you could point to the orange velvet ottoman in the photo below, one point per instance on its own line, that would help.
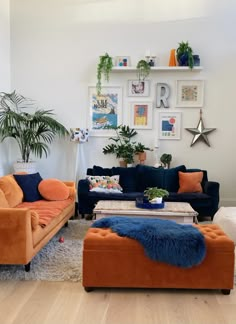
(113, 261)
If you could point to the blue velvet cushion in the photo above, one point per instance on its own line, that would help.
(171, 178)
(29, 185)
(148, 176)
(127, 178)
(100, 171)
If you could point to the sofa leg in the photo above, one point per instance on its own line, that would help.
(66, 224)
(88, 289)
(27, 267)
(225, 291)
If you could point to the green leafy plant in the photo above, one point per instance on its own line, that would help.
(123, 147)
(184, 55)
(33, 131)
(104, 68)
(143, 68)
(166, 159)
(154, 192)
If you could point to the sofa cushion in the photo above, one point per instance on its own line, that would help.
(29, 185)
(3, 201)
(104, 183)
(190, 181)
(53, 189)
(11, 190)
(127, 178)
(148, 176)
(171, 178)
(99, 171)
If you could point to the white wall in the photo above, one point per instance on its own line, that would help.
(55, 47)
(4, 67)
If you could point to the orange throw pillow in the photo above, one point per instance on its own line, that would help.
(11, 190)
(53, 189)
(3, 201)
(190, 181)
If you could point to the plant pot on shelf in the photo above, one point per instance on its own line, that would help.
(123, 164)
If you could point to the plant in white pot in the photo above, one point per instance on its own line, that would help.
(33, 129)
(155, 194)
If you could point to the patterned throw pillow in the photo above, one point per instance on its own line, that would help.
(104, 184)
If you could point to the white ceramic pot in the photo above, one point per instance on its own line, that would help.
(28, 167)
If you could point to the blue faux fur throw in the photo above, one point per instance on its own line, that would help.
(163, 240)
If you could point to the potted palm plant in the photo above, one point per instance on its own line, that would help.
(33, 129)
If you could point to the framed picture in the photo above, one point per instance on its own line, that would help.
(141, 115)
(105, 110)
(123, 61)
(169, 125)
(137, 88)
(189, 93)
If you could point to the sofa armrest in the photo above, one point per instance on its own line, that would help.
(211, 188)
(83, 187)
(16, 241)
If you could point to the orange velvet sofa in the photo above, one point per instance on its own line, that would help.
(113, 261)
(26, 227)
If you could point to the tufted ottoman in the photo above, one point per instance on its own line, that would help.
(225, 217)
(113, 261)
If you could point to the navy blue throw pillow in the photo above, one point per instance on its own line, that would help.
(149, 176)
(171, 178)
(29, 185)
(100, 171)
(127, 178)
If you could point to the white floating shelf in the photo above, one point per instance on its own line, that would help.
(158, 68)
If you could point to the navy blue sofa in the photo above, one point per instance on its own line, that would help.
(135, 180)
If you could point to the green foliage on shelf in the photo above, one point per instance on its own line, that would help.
(104, 68)
(185, 53)
(143, 70)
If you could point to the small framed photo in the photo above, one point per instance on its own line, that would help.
(138, 88)
(169, 125)
(141, 115)
(189, 93)
(123, 61)
(105, 110)
(79, 135)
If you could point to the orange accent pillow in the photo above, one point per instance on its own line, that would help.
(11, 190)
(190, 181)
(3, 201)
(53, 189)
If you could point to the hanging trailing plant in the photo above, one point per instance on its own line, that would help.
(143, 68)
(104, 68)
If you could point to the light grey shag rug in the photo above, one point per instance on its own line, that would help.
(56, 261)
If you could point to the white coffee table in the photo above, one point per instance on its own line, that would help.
(179, 212)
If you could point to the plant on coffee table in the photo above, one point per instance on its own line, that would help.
(154, 192)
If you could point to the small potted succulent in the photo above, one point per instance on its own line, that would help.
(155, 194)
(165, 160)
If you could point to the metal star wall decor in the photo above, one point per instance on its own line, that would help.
(200, 132)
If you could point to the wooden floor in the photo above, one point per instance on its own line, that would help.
(38, 302)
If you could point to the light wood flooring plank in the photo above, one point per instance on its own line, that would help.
(40, 302)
